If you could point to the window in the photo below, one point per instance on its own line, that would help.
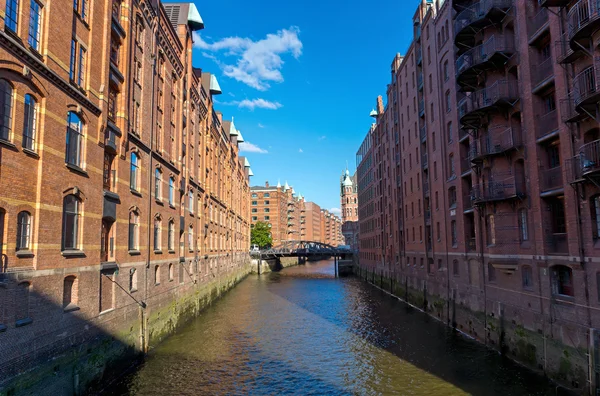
(112, 104)
(191, 238)
(452, 197)
(267, 210)
(171, 241)
(157, 184)
(449, 132)
(70, 228)
(455, 268)
(267, 217)
(527, 276)
(448, 102)
(490, 230)
(491, 272)
(157, 234)
(170, 272)
(254, 210)
(29, 122)
(266, 202)
(134, 233)
(439, 232)
(11, 18)
(73, 61)
(191, 201)
(446, 72)
(433, 141)
(254, 195)
(80, 6)
(454, 233)
(452, 169)
(562, 281)
(134, 172)
(74, 149)
(523, 232)
(23, 231)
(171, 191)
(254, 218)
(557, 209)
(133, 280)
(157, 275)
(6, 105)
(595, 212)
(549, 103)
(70, 292)
(35, 22)
(254, 203)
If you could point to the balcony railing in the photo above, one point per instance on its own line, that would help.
(484, 52)
(468, 202)
(424, 160)
(498, 92)
(562, 49)
(426, 186)
(495, 141)
(498, 190)
(589, 157)
(421, 107)
(465, 165)
(542, 72)
(547, 124)
(420, 81)
(423, 133)
(537, 24)
(477, 12)
(419, 55)
(427, 215)
(586, 85)
(551, 179)
(557, 243)
(582, 16)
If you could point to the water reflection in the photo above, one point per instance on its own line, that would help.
(303, 332)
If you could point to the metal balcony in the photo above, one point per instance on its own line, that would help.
(421, 108)
(489, 55)
(564, 52)
(537, 25)
(465, 165)
(468, 203)
(551, 180)
(584, 17)
(423, 133)
(589, 158)
(502, 93)
(424, 161)
(420, 82)
(497, 191)
(546, 126)
(427, 215)
(419, 55)
(586, 86)
(426, 187)
(568, 112)
(111, 141)
(542, 75)
(495, 141)
(472, 19)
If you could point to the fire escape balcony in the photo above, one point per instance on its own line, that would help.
(495, 141)
(427, 217)
(586, 87)
(420, 81)
(547, 126)
(423, 133)
(421, 108)
(465, 165)
(493, 191)
(542, 75)
(586, 164)
(537, 25)
(568, 112)
(419, 55)
(468, 203)
(551, 181)
(426, 187)
(424, 161)
(470, 20)
(584, 18)
(471, 108)
(489, 55)
(564, 52)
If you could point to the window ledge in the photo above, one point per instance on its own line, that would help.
(31, 153)
(3, 328)
(170, 280)
(6, 143)
(157, 284)
(23, 322)
(76, 169)
(563, 298)
(24, 253)
(70, 308)
(171, 251)
(171, 206)
(107, 311)
(135, 192)
(159, 202)
(134, 252)
(72, 253)
(157, 251)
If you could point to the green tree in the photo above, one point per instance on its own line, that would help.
(261, 235)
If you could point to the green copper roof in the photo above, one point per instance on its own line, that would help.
(250, 173)
(240, 139)
(215, 88)
(194, 19)
(373, 113)
(246, 163)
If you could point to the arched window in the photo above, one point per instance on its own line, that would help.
(191, 238)
(523, 230)
(11, 18)
(74, 149)
(171, 191)
(171, 241)
(70, 292)
(455, 268)
(6, 103)
(70, 229)
(157, 234)
(527, 276)
(157, 275)
(23, 230)
(29, 122)
(133, 280)
(595, 213)
(158, 184)
(562, 281)
(134, 231)
(170, 272)
(134, 174)
(451, 164)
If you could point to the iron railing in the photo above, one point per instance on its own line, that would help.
(478, 11)
(537, 23)
(562, 48)
(498, 190)
(542, 72)
(484, 52)
(551, 179)
(423, 133)
(546, 124)
(589, 157)
(495, 141)
(587, 83)
(582, 14)
(468, 202)
(499, 91)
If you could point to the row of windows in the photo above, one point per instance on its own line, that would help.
(265, 195)
(30, 111)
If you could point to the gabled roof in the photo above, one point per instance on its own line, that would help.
(215, 88)
(246, 163)
(240, 139)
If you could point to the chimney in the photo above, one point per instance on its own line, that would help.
(267, 183)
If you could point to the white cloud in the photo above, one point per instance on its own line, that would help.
(259, 62)
(322, 138)
(300, 150)
(251, 148)
(336, 211)
(252, 104)
(260, 125)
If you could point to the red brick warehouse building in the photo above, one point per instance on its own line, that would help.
(123, 190)
(478, 182)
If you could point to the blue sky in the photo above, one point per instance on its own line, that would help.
(300, 78)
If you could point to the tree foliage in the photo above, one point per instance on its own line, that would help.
(261, 235)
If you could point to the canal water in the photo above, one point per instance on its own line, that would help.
(303, 332)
